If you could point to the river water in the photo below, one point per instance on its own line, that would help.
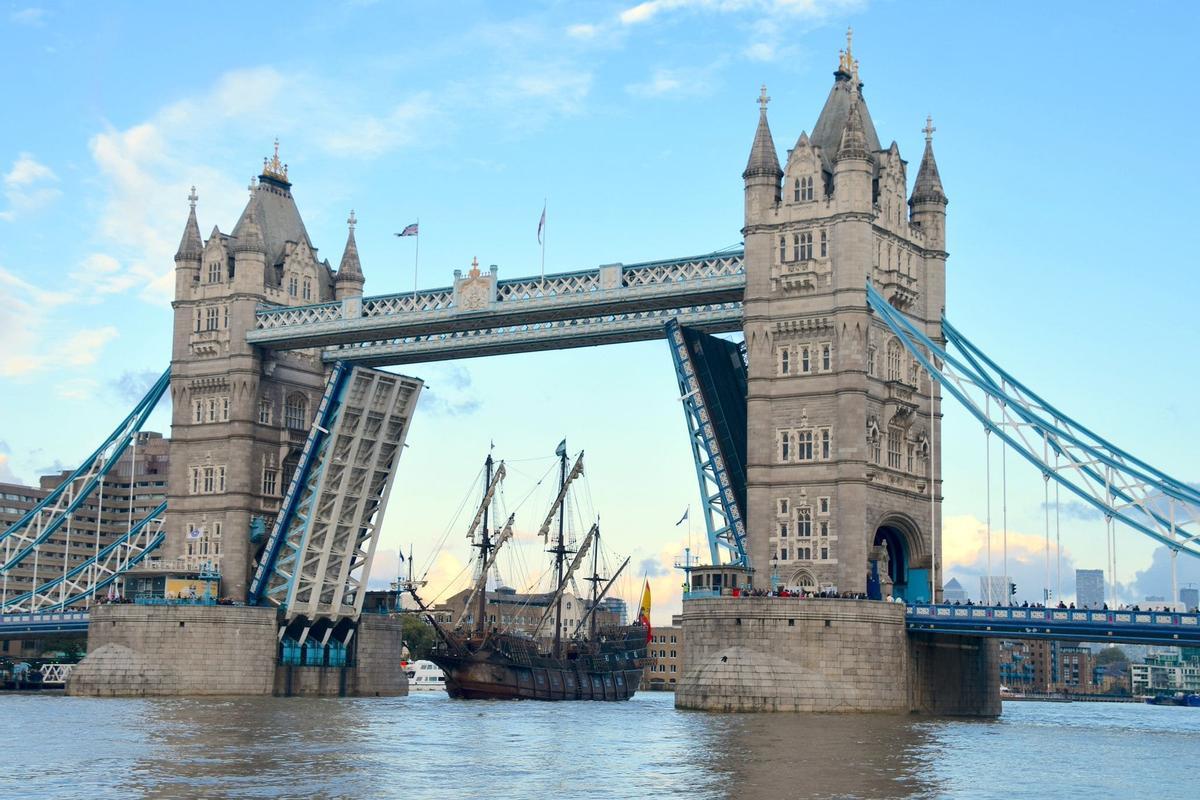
(426, 746)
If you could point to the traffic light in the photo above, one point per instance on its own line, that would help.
(1012, 590)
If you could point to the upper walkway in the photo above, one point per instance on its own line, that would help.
(481, 315)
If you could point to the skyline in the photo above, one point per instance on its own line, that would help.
(87, 318)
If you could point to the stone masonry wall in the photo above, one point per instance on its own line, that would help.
(788, 654)
(378, 672)
(177, 650)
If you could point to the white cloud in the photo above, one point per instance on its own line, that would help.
(811, 9)
(583, 31)
(26, 187)
(760, 51)
(33, 17)
(77, 388)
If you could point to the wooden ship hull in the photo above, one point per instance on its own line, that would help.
(505, 667)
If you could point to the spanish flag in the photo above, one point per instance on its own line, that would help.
(644, 611)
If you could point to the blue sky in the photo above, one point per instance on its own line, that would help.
(1064, 138)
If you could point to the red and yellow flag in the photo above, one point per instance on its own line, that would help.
(644, 611)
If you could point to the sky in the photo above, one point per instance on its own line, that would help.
(1063, 138)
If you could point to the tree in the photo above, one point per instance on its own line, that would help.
(1111, 655)
(419, 636)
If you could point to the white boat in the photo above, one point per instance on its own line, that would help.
(425, 676)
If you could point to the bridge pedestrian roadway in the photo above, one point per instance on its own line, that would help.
(1063, 624)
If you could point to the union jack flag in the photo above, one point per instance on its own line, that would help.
(411, 230)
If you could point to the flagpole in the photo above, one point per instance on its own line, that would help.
(542, 283)
(416, 262)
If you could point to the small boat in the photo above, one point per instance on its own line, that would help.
(425, 676)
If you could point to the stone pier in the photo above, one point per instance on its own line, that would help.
(788, 654)
(173, 651)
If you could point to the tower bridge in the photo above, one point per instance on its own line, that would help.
(816, 438)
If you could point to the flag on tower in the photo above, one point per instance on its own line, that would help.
(683, 519)
(542, 223)
(561, 450)
(409, 230)
(195, 533)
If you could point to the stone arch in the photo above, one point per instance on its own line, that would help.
(804, 579)
(898, 543)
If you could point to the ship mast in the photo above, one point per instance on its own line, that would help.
(595, 581)
(560, 551)
(485, 546)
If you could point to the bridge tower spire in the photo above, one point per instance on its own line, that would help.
(762, 173)
(840, 428)
(349, 280)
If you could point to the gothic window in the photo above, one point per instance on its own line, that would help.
(826, 356)
(795, 247)
(783, 554)
(824, 243)
(806, 247)
(214, 272)
(805, 359)
(875, 449)
(785, 449)
(785, 360)
(215, 548)
(289, 467)
(893, 360)
(210, 480)
(806, 188)
(220, 479)
(912, 458)
(783, 505)
(893, 446)
(198, 315)
(796, 190)
(824, 529)
(212, 318)
(225, 315)
(212, 409)
(270, 482)
(804, 446)
(195, 480)
(783, 530)
(782, 249)
(824, 553)
(198, 409)
(826, 447)
(823, 505)
(293, 285)
(264, 411)
(295, 412)
(804, 522)
(307, 293)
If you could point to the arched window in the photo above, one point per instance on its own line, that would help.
(795, 247)
(806, 246)
(307, 293)
(782, 258)
(785, 360)
(293, 285)
(295, 412)
(804, 580)
(893, 360)
(824, 243)
(807, 189)
(804, 522)
(796, 190)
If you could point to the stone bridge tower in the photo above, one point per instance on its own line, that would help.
(240, 414)
(843, 468)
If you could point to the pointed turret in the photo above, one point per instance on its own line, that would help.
(349, 280)
(191, 246)
(928, 188)
(853, 142)
(928, 200)
(762, 174)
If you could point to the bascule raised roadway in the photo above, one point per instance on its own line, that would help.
(481, 315)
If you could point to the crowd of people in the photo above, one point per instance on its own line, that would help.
(802, 593)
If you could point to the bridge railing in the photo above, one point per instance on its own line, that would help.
(1051, 616)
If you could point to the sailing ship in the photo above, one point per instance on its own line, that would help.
(483, 661)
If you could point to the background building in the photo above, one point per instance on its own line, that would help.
(665, 653)
(1190, 598)
(1089, 588)
(617, 607)
(993, 589)
(134, 487)
(953, 592)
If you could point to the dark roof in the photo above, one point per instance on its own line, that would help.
(827, 134)
(278, 219)
(763, 158)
